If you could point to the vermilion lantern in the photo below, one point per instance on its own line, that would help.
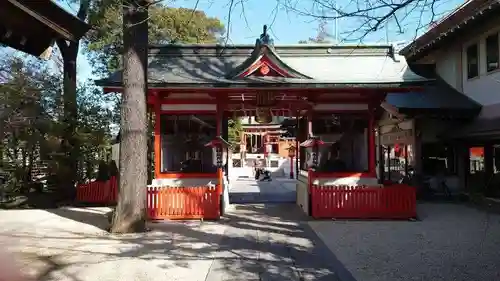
(220, 148)
(312, 149)
(291, 151)
(291, 154)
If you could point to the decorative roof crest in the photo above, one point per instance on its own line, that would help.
(264, 38)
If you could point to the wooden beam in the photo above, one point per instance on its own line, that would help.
(290, 91)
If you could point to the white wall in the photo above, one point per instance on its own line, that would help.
(485, 88)
(448, 67)
(451, 65)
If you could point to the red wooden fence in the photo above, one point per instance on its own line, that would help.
(183, 202)
(162, 202)
(98, 192)
(344, 202)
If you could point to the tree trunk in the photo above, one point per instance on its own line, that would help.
(69, 143)
(130, 213)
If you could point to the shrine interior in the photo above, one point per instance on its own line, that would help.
(346, 142)
(183, 139)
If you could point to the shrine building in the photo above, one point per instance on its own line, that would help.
(333, 92)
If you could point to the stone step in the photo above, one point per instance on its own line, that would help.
(257, 198)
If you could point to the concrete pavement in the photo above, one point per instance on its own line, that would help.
(272, 242)
(248, 190)
(253, 242)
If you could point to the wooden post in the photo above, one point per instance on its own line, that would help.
(488, 166)
(309, 124)
(220, 173)
(264, 141)
(381, 157)
(150, 143)
(310, 170)
(297, 136)
(371, 145)
(157, 130)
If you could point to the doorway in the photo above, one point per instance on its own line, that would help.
(260, 145)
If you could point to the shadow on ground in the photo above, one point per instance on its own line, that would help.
(32, 200)
(97, 217)
(253, 242)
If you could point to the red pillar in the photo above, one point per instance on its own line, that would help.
(220, 173)
(309, 124)
(298, 134)
(157, 130)
(371, 145)
(264, 142)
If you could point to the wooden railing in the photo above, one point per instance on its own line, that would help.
(166, 202)
(98, 192)
(200, 202)
(362, 202)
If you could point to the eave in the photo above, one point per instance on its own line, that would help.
(33, 26)
(311, 84)
(440, 101)
(474, 14)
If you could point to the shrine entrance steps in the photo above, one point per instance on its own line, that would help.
(246, 190)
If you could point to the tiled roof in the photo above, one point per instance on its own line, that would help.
(464, 19)
(208, 65)
(439, 99)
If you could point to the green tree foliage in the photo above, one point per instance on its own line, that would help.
(234, 131)
(32, 123)
(166, 25)
(29, 108)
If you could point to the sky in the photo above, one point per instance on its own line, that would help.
(247, 17)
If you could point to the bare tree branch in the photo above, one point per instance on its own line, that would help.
(371, 15)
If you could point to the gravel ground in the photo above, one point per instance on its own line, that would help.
(451, 242)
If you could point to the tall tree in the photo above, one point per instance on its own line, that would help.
(130, 213)
(69, 144)
(166, 25)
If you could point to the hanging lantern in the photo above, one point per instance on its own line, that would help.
(220, 149)
(312, 150)
(263, 116)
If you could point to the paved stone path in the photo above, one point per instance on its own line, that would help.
(247, 190)
(272, 243)
(265, 242)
